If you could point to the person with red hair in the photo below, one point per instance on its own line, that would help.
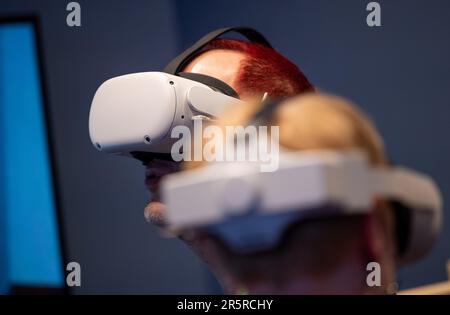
(252, 70)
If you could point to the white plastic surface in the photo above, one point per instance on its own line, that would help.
(132, 111)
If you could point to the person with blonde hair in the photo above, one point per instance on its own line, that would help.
(326, 255)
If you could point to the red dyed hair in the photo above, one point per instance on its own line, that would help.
(265, 70)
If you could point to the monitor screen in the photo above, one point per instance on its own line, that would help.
(30, 252)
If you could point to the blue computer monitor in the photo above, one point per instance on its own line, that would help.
(30, 245)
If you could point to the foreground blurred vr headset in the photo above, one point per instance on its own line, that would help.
(250, 210)
(134, 114)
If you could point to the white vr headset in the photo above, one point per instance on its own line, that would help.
(250, 210)
(134, 114)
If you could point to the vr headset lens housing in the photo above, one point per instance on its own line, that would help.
(134, 114)
(126, 112)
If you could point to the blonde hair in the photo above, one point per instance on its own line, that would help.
(310, 122)
(314, 121)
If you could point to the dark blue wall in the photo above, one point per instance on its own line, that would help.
(398, 73)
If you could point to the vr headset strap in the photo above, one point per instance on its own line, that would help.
(214, 83)
(181, 60)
